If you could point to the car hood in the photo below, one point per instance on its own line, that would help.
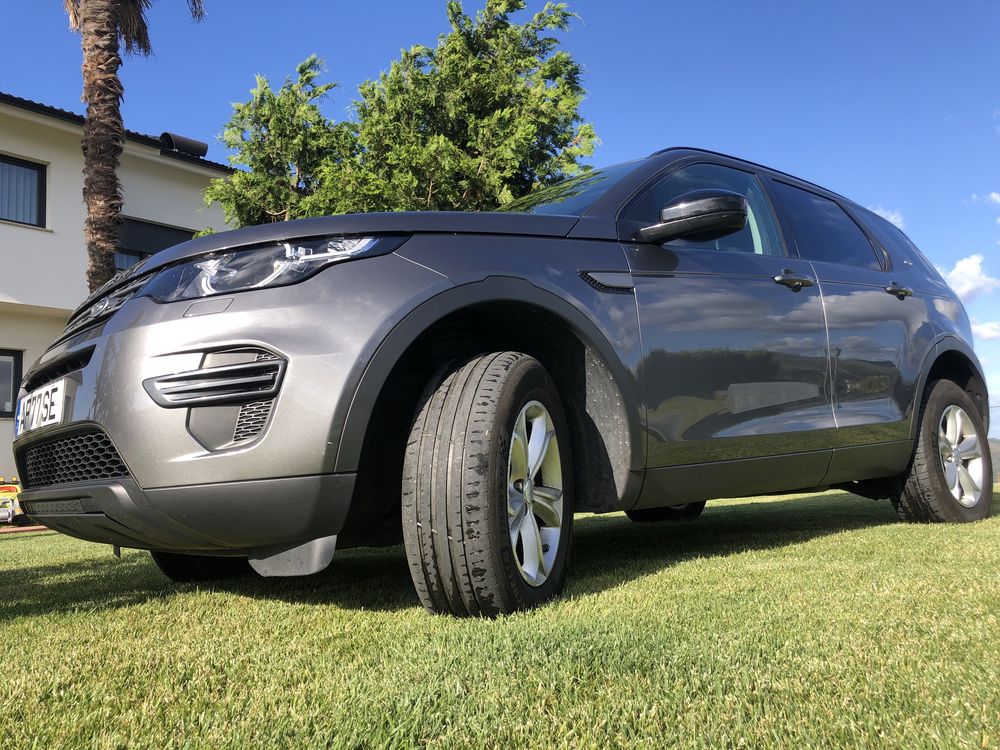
(410, 222)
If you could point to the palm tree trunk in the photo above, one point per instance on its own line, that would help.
(103, 135)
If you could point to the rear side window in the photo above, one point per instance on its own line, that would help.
(899, 246)
(823, 232)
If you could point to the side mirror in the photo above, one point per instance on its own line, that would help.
(700, 215)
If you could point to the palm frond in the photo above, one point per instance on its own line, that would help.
(132, 23)
(197, 8)
(73, 11)
(133, 26)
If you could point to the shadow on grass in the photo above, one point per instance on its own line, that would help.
(607, 551)
(87, 584)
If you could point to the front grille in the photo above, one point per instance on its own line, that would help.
(252, 418)
(81, 457)
(58, 368)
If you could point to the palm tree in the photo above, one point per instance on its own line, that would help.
(104, 25)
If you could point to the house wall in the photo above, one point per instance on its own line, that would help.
(43, 270)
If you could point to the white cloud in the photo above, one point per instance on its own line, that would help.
(897, 218)
(968, 279)
(993, 197)
(987, 331)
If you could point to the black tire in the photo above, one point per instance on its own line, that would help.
(671, 513)
(455, 495)
(926, 496)
(194, 568)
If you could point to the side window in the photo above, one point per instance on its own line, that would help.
(823, 232)
(760, 235)
(10, 380)
(899, 246)
(22, 191)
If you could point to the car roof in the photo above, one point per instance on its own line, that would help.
(694, 150)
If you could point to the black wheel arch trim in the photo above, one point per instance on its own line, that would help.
(418, 320)
(942, 345)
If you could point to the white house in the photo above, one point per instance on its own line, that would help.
(43, 259)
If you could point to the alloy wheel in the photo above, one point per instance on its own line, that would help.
(534, 493)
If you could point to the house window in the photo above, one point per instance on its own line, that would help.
(10, 381)
(22, 191)
(139, 239)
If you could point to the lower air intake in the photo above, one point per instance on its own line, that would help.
(82, 457)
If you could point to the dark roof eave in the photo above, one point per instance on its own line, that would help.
(130, 135)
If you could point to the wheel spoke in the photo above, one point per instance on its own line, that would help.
(531, 544)
(515, 524)
(965, 427)
(953, 426)
(519, 450)
(545, 506)
(968, 449)
(951, 479)
(538, 446)
(969, 484)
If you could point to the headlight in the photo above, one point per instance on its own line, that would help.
(272, 265)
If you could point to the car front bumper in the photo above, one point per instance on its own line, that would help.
(124, 469)
(243, 517)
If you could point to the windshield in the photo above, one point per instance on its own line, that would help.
(573, 196)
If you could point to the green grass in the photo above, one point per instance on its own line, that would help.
(817, 621)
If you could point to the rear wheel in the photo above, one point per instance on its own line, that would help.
(684, 512)
(194, 568)
(487, 500)
(950, 478)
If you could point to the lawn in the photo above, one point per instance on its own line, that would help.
(812, 621)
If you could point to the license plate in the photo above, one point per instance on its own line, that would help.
(42, 407)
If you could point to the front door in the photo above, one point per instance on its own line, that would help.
(735, 364)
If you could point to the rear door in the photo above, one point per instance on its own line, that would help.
(735, 364)
(876, 326)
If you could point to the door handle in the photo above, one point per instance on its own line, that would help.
(900, 292)
(792, 280)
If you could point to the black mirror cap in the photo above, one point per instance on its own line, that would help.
(700, 215)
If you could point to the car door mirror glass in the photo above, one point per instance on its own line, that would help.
(699, 215)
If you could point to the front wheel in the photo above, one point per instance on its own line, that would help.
(487, 498)
(951, 476)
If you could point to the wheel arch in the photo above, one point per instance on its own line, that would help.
(955, 360)
(598, 391)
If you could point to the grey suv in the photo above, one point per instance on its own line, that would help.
(644, 337)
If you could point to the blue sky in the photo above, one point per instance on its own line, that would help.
(894, 104)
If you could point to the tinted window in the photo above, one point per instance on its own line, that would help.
(899, 246)
(823, 232)
(573, 196)
(10, 380)
(22, 191)
(760, 235)
(140, 239)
